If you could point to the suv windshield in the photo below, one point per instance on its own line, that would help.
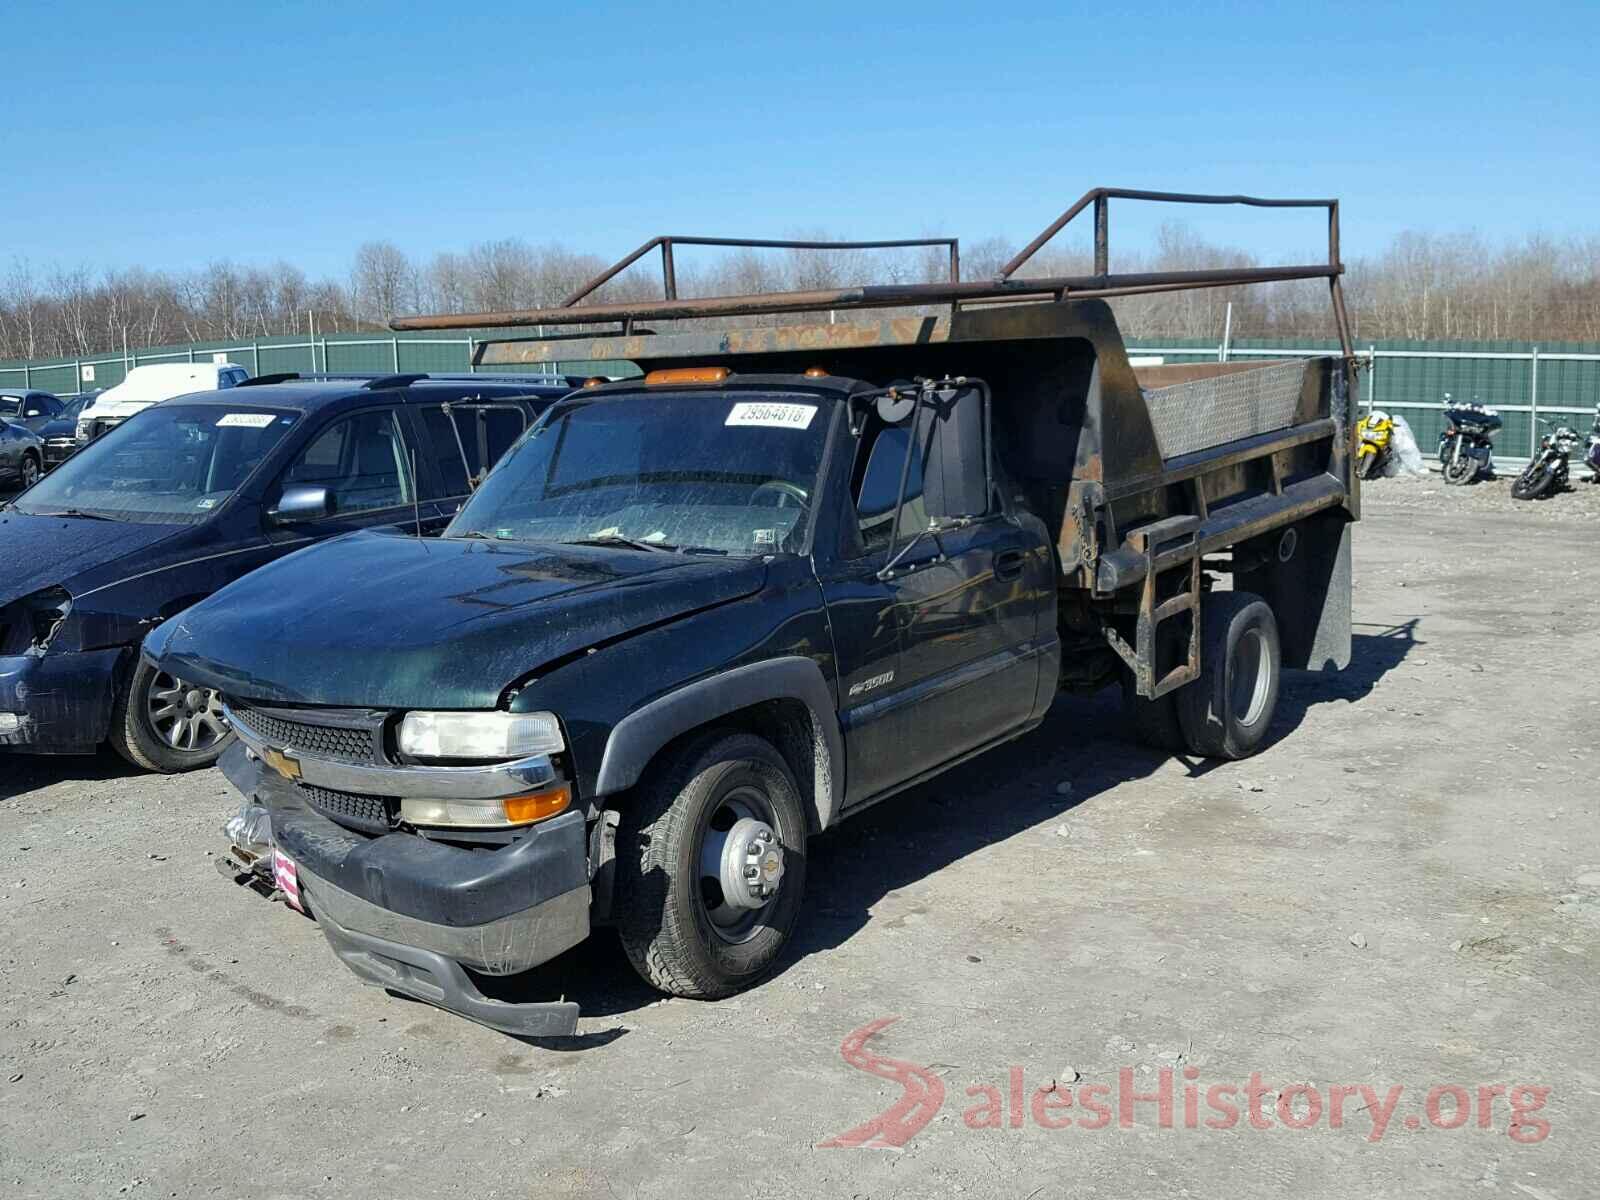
(169, 465)
(710, 471)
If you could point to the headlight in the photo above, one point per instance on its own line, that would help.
(33, 621)
(487, 814)
(83, 430)
(484, 736)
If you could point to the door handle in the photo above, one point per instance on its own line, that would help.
(1008, 564)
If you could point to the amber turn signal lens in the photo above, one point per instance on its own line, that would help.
(686, 375)
(523, 810)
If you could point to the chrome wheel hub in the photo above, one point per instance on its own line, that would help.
(741, 865)
(752, 864)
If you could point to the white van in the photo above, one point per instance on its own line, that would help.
(152, 384)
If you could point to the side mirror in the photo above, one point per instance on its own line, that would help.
(301, 503)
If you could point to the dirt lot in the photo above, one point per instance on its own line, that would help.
(1403, 891)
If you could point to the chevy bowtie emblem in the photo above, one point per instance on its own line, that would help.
(280, 762)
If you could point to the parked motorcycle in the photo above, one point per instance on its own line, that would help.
(1593, 455)
(1466, 444)
(1376, 431)
(1547, 473)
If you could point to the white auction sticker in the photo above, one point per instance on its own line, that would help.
(775, 416)
(246, 421)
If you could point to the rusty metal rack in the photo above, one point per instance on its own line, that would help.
(1006, 286)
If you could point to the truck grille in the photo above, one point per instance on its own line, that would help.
(367, 814)
(342, 742)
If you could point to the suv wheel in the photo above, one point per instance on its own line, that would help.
(163, 724)
(711, 867)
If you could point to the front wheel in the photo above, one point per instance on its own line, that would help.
(1226, 712)
(1462, 470)
(711, 866)
(1533, 482)
(162, 723)
(30, 471)
(1370, 468)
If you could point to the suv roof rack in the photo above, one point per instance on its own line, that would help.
(305, 376)
(1005, 286)
(384, 382)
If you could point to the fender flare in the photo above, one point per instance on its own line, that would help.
(642, 733)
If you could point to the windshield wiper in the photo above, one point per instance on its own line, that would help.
(616, 539)
(74, 512)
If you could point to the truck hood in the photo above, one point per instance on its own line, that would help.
(385, 621)
(40, 552)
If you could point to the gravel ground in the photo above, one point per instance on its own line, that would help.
(1403, 891)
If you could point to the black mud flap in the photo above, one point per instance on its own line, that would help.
(434, 979)
(1304, 574)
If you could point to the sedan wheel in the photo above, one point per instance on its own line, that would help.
(30, 471)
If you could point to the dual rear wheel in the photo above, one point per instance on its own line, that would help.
(1227, 711)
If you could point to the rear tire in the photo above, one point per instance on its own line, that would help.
(682, 931)
(1227, 711)
(1153, 723)
(162, 724)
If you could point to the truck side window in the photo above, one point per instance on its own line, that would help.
(879, 489)
(363, 461)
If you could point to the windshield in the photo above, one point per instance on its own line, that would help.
(708, 471)
(168, 465)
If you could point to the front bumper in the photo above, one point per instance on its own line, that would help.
(63, 701)
(415, 916)
(58, 450)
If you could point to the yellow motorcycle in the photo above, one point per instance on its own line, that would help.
(1376, 431)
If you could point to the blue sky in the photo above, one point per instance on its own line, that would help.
(168, 134)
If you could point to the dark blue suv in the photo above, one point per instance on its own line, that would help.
(195, 492)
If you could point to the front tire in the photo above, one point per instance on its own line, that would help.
(1533, 483)
(1227, 711)
(1462, 471)
(30, 470)
(163, 724)
(691, 915)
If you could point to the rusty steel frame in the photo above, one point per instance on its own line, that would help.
(953, 292)
(669, 270)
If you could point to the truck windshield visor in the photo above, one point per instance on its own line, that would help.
(717, 472)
